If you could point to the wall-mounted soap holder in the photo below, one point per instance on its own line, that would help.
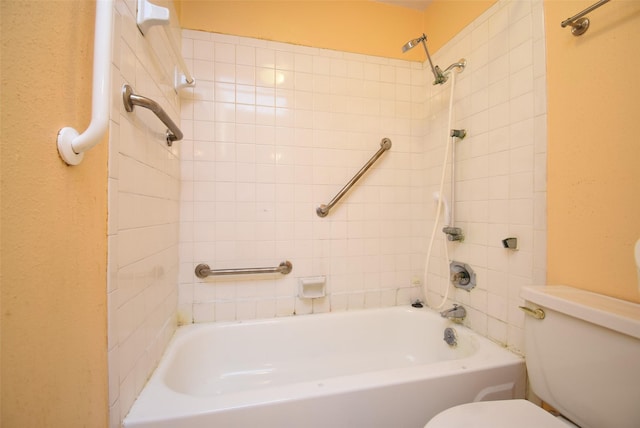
(462, 276)
(312, 287)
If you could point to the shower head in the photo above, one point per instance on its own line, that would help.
(413, 43)
(437, 73)
(440, 76)
(460, 65)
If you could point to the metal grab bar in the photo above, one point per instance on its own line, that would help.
(130, 100)
(203, 270)
(579, 24)
(323, 210)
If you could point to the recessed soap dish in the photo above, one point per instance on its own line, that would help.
(510, 243)
(311, 287)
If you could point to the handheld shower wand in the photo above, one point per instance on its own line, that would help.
(440, 76)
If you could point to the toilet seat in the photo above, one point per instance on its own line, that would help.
(496, 414)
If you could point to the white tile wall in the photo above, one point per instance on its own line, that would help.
(500, 166)
(144, 187)
(273, 130)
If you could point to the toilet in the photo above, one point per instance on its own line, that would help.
(582, 357)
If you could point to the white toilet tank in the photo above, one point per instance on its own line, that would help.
(583, 358)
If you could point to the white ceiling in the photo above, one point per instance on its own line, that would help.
(412, 4)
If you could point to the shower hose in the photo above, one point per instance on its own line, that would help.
(449, 144)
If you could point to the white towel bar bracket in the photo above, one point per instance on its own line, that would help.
(148, 15)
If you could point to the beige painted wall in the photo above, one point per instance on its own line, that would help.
(53, 242)
(365, 27)
(593, 147)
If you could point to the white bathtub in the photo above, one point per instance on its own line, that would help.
(372, 368)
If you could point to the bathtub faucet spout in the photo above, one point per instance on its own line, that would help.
(457, 313)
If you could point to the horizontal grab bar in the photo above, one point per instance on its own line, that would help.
(323, 210)
(203, 270)
(130, 100)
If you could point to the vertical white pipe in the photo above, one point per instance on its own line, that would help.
(71, 144)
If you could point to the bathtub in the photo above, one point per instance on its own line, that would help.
(371, 368)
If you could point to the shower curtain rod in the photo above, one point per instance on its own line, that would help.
(579, 24)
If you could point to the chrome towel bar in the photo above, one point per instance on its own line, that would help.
(131, 100)
(203, 270)
(579, 24)
(323, 210)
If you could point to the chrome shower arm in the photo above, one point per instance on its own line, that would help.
(462, 63)
(440, 76)
(437, 73)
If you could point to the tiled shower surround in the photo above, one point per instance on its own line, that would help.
(273, 130)
(144, 209)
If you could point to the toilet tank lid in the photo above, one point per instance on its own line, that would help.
(609, 312)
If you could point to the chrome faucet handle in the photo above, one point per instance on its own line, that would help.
(461, 278)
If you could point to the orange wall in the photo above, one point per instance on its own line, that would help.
(53, 218)
(365, 27)
(593, 147)
(443, 19)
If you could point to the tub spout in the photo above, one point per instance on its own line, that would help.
(457, 313)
